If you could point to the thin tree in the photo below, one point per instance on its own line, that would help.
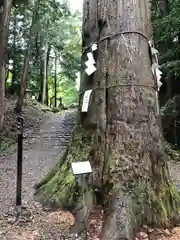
(121, 132)
(5, 11)
(164, 7)
(45, 63)
(24, 78)
(45, 72)
(55, 78)
(14, 51)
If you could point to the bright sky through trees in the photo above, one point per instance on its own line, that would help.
(76, 4)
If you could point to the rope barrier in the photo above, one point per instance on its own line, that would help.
(114, 35)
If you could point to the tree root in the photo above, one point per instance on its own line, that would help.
(128, 211)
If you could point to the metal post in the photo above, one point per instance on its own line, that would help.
(19, 165)
(175, 133)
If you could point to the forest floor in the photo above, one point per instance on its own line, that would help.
(33, 112)
(46, 138)
(41, 152)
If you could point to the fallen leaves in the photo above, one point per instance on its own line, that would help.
(17, 233)
(36, 223)
(95, 223)
(158, 234)
(60, 217)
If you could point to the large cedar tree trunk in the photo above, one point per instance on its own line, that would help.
(5, 10)
(121, 133)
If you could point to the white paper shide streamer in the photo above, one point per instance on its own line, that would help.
(158, 77)
(90, 64)
(154, 51)
(94, 47)
(86, 99)
(90, 57)
(158, 74)
(155, 66)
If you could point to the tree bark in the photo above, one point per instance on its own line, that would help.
(14, 54)
(121, 133)
(164, 7)
(23, 86)
(5, 11)
(45, 73)
(55, 80)
(41, 77)
(47, 87)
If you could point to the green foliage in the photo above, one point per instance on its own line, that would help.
(65, 88)
(55, 26)
(166, 26)
(167, 37)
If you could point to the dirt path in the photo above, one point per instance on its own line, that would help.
(41, 153)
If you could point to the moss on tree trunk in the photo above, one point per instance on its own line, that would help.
(121, 134)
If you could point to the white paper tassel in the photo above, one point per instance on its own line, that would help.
(94, 47)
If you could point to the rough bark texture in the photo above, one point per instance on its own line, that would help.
(121, 133)
(5, 10)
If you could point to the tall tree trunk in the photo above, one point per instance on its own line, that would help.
(55, 81)
(45, 72)
(47, 92)
(14, 54)
(41, 79)
(164, 7)
(121, 132)
(23, 86)
(37, 44)
(5, 11)
(47, 87)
